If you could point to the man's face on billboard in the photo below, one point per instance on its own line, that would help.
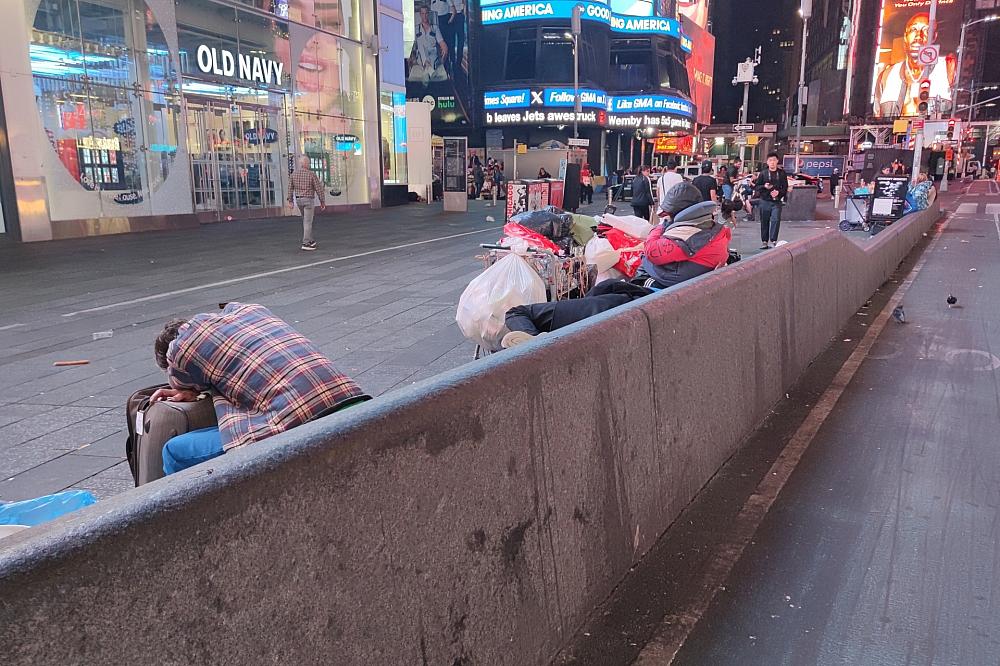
(917, 32)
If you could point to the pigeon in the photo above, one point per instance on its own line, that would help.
(898, 314)
(951, 300)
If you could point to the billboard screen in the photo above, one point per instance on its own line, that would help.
(904, 27)
(700, 67)
(436, 46)
(696, 10)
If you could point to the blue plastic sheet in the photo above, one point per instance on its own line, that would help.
(43, 509)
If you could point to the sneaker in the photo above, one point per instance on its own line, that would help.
(311, 245)
(515, 338)
(765, 246)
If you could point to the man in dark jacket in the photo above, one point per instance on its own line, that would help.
(691, 242)
(772, 190)
(642, 193)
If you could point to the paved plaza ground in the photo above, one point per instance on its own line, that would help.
(378, 297)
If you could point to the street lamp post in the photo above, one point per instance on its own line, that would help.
(745, 74)
(576, 28)
(806, 11)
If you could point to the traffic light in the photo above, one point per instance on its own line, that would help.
(951, 129)
(925, 95)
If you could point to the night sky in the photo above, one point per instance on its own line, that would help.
(740, 26)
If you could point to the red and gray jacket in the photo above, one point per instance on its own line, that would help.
(694, 244)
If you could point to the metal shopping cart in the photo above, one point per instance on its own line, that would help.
(564, 277)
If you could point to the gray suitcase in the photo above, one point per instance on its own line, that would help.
(151, 425)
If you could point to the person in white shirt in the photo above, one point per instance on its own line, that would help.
(456, 38)
(429, 52)
(668, 179)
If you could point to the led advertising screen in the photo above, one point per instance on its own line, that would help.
(900, 63)
(700, 67)
(694, 10)
(436, 45)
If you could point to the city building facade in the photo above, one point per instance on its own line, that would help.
(505, 73)
(129, 115)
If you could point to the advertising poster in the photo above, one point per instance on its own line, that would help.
(905, 30)
(556, 193)
(700, 67)
(436, 44)
(517, 197)
(538, 194)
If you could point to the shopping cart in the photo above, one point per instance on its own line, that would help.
(564, 277)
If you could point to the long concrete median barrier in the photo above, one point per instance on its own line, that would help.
(473, 519)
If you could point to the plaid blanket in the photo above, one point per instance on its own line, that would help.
(265, 377)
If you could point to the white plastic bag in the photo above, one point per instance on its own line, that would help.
(610, 274)
(630, 224)
(599, 252)
(484, 303)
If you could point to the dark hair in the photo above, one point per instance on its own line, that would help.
(672, 162)
(644, 167)
(164, 339)
(706, 167)
(774, 155)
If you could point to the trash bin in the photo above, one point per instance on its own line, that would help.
(801, 204)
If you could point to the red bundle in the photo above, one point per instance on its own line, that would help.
(630, 248)
(533, 238)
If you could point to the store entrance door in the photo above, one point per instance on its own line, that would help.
(236, 160)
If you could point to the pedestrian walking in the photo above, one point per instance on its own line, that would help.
(586, 185)
(304, 188)
(668, 179)
(478, 177)
(642, 193)
(772, 190)
(834, 182)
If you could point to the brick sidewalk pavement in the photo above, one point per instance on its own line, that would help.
(378, 297)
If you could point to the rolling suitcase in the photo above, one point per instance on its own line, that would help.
(151, 425)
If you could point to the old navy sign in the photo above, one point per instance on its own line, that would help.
(592, 11)
(594, 99)
(221, 62)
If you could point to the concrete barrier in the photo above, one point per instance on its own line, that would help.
(473, 519)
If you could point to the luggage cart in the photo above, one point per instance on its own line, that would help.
(856, 213)
(564, 277)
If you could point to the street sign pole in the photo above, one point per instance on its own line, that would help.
(919, 144)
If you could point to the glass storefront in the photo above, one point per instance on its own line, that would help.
(393, 119)
(150, 107)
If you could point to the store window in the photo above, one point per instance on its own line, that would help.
(631, 64)
(328, 112)
(108, 98)
(521, 55)
(555, 58)
(393, 120)
(341, 17)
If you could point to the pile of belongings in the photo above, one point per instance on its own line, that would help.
(617, 249)
(547, 229)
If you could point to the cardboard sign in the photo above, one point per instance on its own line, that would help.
(889, 198)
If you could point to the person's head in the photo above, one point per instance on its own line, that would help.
(916, 34)
(922, 177)
(706, 167)
(886, 170)
(304, 161)
(163, 340)
(671, 163)
(737, 162)
(837, 171)
(644, 169)
(772, 161)
(425, 13)
(680, 197)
